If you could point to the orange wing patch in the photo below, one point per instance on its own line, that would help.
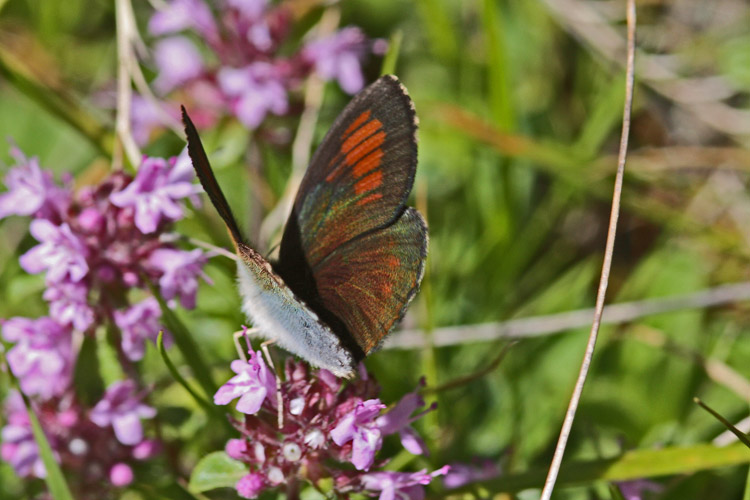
(370, 197)
(361, 151)
(364, 148)
(361, 134)
(372, 181)
(355, 124)
(372, 161)
(359, 141)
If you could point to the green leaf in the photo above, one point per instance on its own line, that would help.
(636, 464)
(216, 470)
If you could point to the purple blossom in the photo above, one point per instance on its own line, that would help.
(252, 73)
(180, 273)
(146, 449)
(61, 252)
(253, 383)
(139, 323)
(254, 91)
(250, 485)
(121, 475)
(360, 427)
(31, 190)
(462, 474)
(91, 220)
(178, 61)
(250, 9)
(399, 420)
(251, 14)
(236, 448)
(326, 422)
(184, 14)
(154, 193)
(146, 116)
(338, 57)
(400, 485)
(68, 304)
(18, 446)
(122, 409)
(42, 356)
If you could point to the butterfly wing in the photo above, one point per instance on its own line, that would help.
(208, 180)
(362, 173)
(349, 219)
(369, 281)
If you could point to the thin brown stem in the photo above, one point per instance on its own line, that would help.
(466, 379)
(125, 36)
(549, 483)
(550, 324)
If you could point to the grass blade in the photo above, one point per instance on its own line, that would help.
(498, 70)
(734, 430)
(391, 57)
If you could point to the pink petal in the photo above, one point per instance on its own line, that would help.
(412, 442)
(251, 401)
(128, 428)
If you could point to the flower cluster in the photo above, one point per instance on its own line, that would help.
(95, 245)
(249, 76)
(99, 444)
(324, 424)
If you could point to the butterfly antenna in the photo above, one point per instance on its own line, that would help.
(208, 179)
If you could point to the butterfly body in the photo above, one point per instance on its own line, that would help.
(280, 315)
(352, 254)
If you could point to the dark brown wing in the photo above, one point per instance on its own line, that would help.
(207, 178)
(369, 281)
(349, 220)
(360, 176)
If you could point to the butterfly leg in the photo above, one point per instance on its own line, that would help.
(279, 400)
(245, 332)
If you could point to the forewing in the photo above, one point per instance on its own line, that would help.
(208, 179)
(369, 282)
(360, 176)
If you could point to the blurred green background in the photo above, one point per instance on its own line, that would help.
(520, 107)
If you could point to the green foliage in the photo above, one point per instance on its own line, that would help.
(519, 124)
(216, 470)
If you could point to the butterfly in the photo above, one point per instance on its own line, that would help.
(352, 254)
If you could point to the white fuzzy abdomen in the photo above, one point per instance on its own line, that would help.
(278, 315)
